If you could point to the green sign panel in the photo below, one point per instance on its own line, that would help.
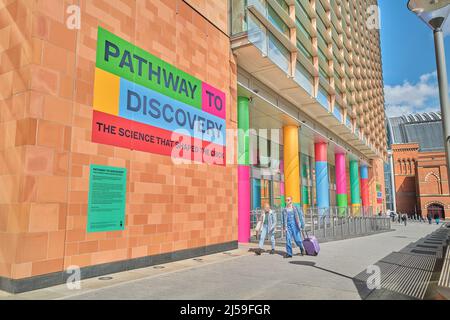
(106, 207)
(127, 61)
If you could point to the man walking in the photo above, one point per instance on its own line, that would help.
(404, 218)
(293, 223)
(429, 217)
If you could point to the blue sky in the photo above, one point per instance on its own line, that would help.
(409, 64)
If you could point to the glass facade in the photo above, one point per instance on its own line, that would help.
(323, 55)
(333, 41)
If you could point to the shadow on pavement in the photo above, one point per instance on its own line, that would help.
(277, 252)
(409, 274)
(361, 286)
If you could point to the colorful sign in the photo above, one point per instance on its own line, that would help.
(379, 194)
(106, 204)
(143, 103)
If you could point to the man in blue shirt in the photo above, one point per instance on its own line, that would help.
(293, 223)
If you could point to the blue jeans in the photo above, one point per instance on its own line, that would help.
(264, 232)
(293, 233)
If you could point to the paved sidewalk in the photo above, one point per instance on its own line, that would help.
(243, 275)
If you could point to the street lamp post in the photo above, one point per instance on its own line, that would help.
(434, 13)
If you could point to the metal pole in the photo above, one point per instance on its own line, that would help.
(443, 92)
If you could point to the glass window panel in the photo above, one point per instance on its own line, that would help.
(348, 122)
(322, 97)
(263, 149)
(284, 5)
(322, 55)
(304, 51)
(302, 28)
(337, 111)
(238, 16)
(257, 34)
(278, 53)
(323, 73)
(303, 78)
(302, 8)
(276, 20)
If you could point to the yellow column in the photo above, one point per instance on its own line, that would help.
(291, 164)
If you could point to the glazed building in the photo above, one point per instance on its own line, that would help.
(119, 132)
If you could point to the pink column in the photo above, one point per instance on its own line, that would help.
(341, 182)
(243, 203)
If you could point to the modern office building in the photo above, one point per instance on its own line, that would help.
(312, 70)
(92, 99)
(418, 164)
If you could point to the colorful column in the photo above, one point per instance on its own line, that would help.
(282, 196)
(243, 170)
(322, 184)
(305, 192)
(354, 186)
(365, 186)
(291, 164)
(341, 183)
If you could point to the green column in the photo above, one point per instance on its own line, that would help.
(243, 134)
(243, 171)
(354, 186)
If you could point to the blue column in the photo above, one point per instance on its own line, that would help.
(322, 184)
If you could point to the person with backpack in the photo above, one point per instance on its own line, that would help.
(293, 223)
(269, 221)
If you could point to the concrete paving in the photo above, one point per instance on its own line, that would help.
(243, 275)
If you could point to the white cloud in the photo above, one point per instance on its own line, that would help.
(406, 98)
(446, 27)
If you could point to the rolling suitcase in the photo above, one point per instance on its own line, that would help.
(311, 245)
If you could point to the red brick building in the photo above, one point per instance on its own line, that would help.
(419, 167)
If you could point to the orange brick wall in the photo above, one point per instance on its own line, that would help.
(425, 184)
(214, 10)
(405, 181)
(46, 148)
(432, 181)
(17, 128)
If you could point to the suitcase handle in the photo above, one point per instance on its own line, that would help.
(303, 232)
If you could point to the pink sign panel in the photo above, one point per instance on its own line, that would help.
(213, 101)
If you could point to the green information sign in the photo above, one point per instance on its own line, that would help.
(106, 207)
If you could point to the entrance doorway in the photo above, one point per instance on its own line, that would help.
(436, 208)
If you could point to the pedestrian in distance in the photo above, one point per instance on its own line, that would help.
(293, 223)
(437, 218)
(392, 214)
(404, 218)
(429, 217)
(269, 221)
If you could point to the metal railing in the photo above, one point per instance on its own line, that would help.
(332, 223)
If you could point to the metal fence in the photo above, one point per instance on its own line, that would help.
(332, 223)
